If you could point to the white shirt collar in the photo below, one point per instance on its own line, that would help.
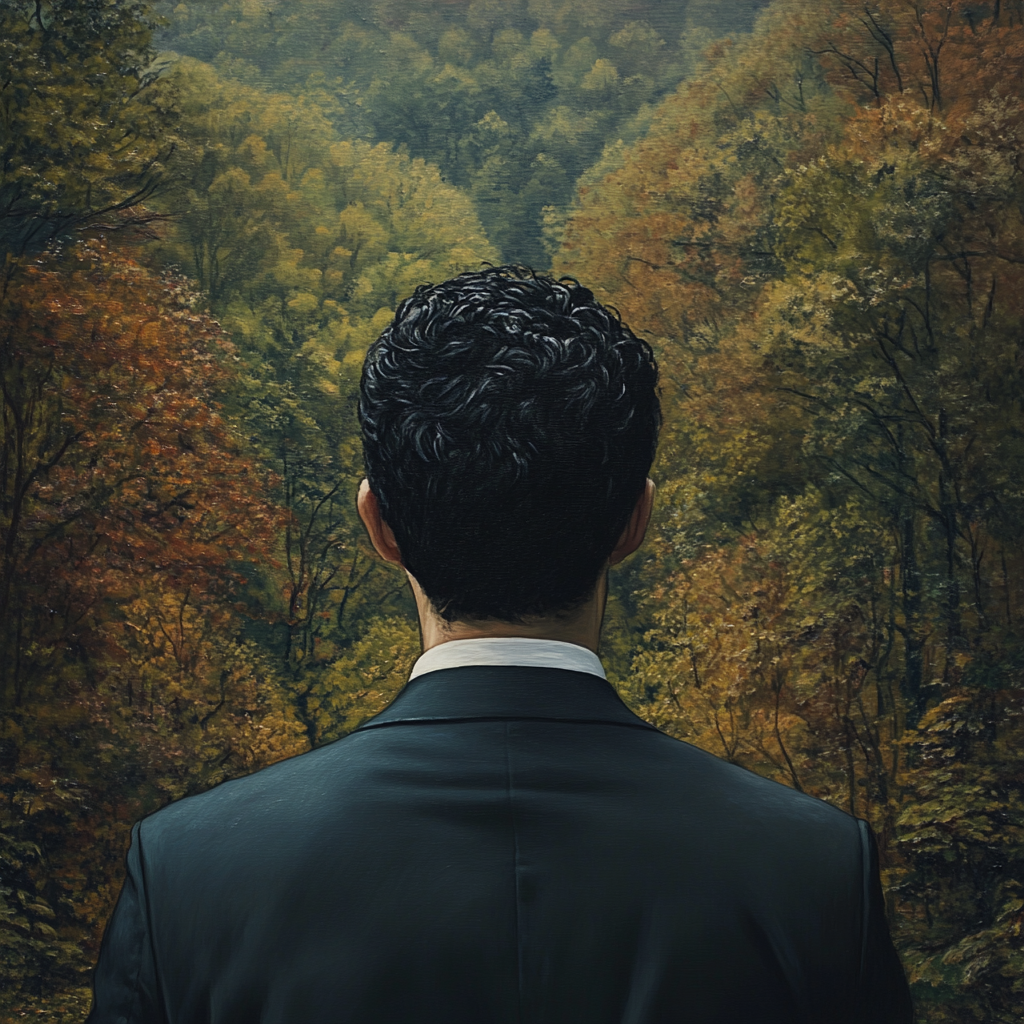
(509, 650)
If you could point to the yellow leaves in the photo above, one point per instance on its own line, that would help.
(636, 34)
(273, 190)
(367, 678)
(293, 201)
(897, 127)
(291, 272)
(562, 124)
(256, 150)
(304, 304)
(603, 77)
(361, 234)
(544, 44)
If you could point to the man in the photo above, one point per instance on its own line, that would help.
(506, 842)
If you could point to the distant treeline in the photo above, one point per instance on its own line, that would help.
(512, 99)
(207, 212)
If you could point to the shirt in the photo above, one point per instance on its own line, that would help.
(524, 652)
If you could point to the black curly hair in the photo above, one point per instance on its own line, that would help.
(509, 422)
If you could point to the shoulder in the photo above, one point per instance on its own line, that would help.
(738, 782)
(281, 794)
(752, 809)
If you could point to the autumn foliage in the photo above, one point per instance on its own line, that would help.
(130, 515)
(821, 232)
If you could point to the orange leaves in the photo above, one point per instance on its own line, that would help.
(75, 470)
(130, 515)
(127, 470)
(941, 55)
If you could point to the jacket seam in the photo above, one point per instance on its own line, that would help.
(515, 868)
(143, 900)
(865, 897)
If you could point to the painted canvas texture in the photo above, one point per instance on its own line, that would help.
(813, 211)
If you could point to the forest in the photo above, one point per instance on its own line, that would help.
(813, 211)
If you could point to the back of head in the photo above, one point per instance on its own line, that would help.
(509, 422)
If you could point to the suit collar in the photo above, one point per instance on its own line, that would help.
(508, 692)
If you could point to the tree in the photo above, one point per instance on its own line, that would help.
(512, 101)
(305, 244)
(129, 511)
(84, 135)
(822, 232)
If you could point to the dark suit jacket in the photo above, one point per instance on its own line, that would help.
(501, 845)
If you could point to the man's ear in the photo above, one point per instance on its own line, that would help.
(633, 535)
(381, 536)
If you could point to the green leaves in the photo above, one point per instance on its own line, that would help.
(84, 136)
(475, 88)
(826, 250)
(306, 243)
(366, 678)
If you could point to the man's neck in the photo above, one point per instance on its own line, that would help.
(581, 626)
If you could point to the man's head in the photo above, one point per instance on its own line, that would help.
(509, 422)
